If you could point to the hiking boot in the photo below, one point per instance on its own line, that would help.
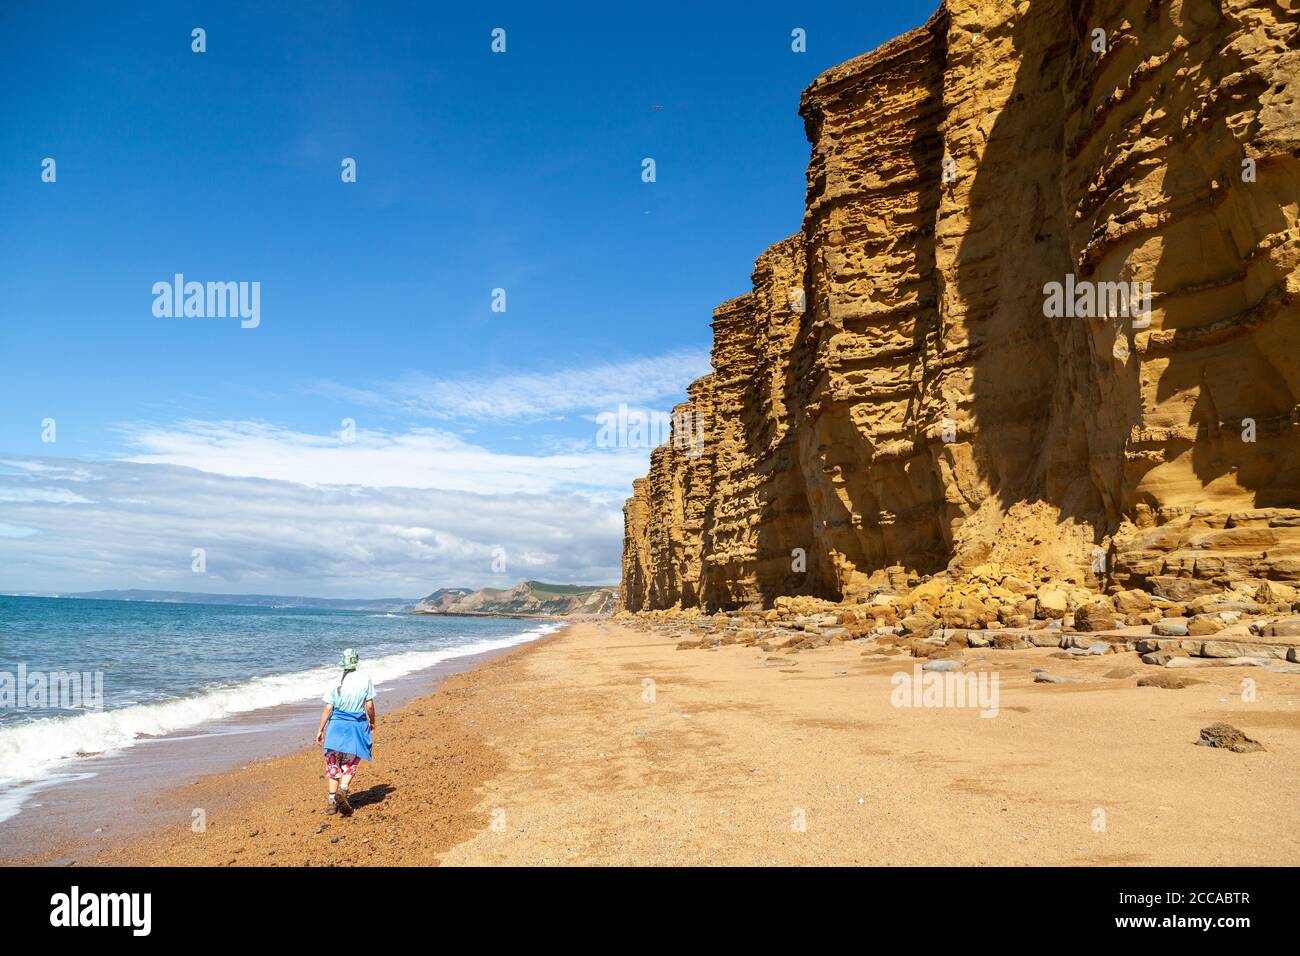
(331, 808)
(344, 805)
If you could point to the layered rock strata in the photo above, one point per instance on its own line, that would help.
(893, 399)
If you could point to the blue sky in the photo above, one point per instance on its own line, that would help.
(474, 429)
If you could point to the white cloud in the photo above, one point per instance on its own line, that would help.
(389, 513)
(420, 458)
(642, 381)
(289, 538)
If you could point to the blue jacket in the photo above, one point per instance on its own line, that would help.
(348, 732)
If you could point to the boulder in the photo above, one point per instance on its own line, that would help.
(1094, 617)
(1167, 681)
(1180, 588)
(1161, 658)
(1132, 601)
(1170, 627)
(1272, 592)
(1148, 644)
(1053, 603)
(1227, 737)
(1287, 627)
(1232, 649)
(1042, 677)
(1149, 616)
(1008, 640)
(918, 625)
(1203, 624)
(1176, 663)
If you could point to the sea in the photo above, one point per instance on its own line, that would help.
(87, 684)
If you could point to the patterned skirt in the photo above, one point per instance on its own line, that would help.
(340, 765)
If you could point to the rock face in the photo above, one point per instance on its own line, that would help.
(891, 399)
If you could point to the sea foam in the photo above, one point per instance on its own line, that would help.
(52, 746)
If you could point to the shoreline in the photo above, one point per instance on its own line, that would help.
(544, 618)
(602, 744)
(64, 815)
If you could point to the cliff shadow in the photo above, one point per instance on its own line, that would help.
(1038, 391)
(1224, 323)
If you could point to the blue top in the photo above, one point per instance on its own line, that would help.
(352, 693)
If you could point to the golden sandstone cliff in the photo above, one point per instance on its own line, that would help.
(890, 400)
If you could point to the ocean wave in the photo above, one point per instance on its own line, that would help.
(52, 745)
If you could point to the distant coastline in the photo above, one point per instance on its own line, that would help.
(138, 596)
(528, 600)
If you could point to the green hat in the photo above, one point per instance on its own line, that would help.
(349, 660)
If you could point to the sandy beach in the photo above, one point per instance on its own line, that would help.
(604, 744)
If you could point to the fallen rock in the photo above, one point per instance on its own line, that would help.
(947, 664)
(1045, 678)
(1140, 618)
(1232, 649)
(1227, 737)
(1203, 624)
(1161, 658)
(1006, 640)
(1052, 603)
(1094, 617)
(1132, 601)
(1271, 592)
(1167, 681)
(1181, 589)
(1170, 627)
(918, 625)
(1119, 673)
(1148, 644)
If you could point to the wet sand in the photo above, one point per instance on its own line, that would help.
(560, 752)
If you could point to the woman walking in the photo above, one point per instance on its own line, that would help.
(346, 729)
